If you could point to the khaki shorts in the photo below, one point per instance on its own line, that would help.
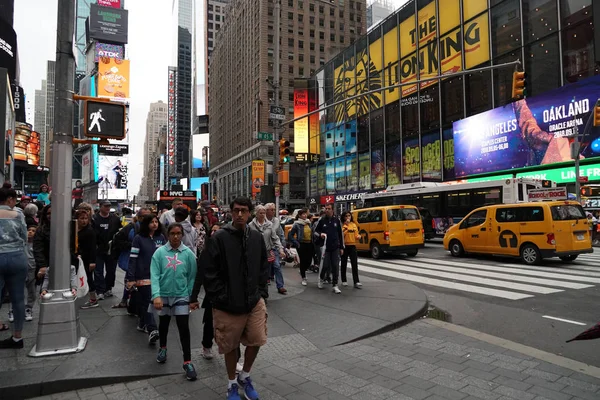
(248, 329)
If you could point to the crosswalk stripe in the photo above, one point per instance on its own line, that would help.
(591, 272)
(472, 271)
(517, 271)
(446, 284)
(470, 278)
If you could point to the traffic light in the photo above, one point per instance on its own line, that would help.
(104, 119)
(546, 183)
(284, 151)
(590, 191)
(597, 115)
(518, 85)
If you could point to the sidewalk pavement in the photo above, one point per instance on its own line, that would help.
(426, 359)
(306, 320)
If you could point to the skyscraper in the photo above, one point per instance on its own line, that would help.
(242, 61)
(39, 116)
(156, 124)
(185, 90)
(377, 11)
(214, 16)
(50, 71)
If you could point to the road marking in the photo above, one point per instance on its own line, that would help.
(484, 270)
(564, 320)
(585, 271)
(468, 278)
(450, 285)
(514, 270)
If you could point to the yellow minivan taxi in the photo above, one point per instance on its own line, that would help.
(531, 231)
(385, 229)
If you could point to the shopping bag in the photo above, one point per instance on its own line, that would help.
(271, 256)
(82, 283)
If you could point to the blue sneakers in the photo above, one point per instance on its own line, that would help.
(248, 389)
(161, 358)
(232, 393)
(190, 371)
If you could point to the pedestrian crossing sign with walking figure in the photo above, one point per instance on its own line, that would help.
(104, 119)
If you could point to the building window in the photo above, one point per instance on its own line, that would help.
(542, 65)
(332, 24)
(210, 34)
(217, 17)
(332, 37)
(321, 9)
(291, 56)
(291, 3)
(321, 61)
(351, 5)
(312, 59)
(321, 22)
(301, 71)
(218, 8)
(341, 13)
(210, 7)
(342, 27)
(301, 57)
(210, 25)
(578, 41)
(342, 39)
(332, 11)
(300, 4)
(322, 35)
(311, 7)
(300, 44)
(300, 18)
(311, 19)
(312, 34)
(269, 38)
(321, 47)
(351, 16)
(290, 15)
(539, 22)
(506, 27)
(290, 42)
(291, 97)
(210, 16)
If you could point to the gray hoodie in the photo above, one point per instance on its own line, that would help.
(190, 236)
(270, 236)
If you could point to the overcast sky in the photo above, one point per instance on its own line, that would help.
(149, 49)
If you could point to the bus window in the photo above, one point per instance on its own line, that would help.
(459, 203)
(431, 202)
(487, 196)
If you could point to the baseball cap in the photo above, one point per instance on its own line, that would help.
(105, 203)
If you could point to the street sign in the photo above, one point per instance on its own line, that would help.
(583, 179)
(557, 193)
(276, 112)
(264, 136)
(104, 119)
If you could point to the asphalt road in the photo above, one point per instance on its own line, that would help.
(541, 307)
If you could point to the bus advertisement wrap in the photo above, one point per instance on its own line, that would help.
(530, 132)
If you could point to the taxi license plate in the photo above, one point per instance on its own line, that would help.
(412, 234)
(580, 236)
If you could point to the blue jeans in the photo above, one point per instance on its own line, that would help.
(277, 270)
(13, 273)
(104, 284)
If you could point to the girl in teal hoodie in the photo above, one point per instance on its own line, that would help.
(172, 274)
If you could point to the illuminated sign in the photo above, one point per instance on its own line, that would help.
(301, 126)
(258, 176)
(172, 120)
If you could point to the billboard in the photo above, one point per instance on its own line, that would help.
(113, 78)
(172, 120)
(258, 176)
(301, 126)
(110, 3)
(112, 171)
(26, 144)
(107, 50)
(19, 102)
(405, 54)
(530, 132)
(108, 24)
(86, 167)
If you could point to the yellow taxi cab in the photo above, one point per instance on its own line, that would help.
(531, 231)
(396, 229)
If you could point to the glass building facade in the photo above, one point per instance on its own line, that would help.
(405, 134)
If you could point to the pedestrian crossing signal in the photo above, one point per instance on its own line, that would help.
(590, 191)
(104, 119)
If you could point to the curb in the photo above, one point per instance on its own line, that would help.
(46, 388)
(520, 348)
(394, 325)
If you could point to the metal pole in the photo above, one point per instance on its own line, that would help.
(58, 330)
(277, 10)
(576, 145)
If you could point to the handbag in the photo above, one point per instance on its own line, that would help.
(271, 257)
(82, 283)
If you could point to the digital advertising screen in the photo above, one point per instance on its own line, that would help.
(112, 172)
(534, 131)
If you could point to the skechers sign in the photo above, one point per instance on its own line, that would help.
(527, 133)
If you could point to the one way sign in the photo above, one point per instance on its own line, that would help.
(104, 119)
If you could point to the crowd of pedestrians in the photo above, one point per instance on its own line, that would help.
(167, 258)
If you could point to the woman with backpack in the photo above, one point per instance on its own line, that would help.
(301, 238)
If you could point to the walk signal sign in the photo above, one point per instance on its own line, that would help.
(284, 151)
(103, 119)
(518, 85)
(590, 191)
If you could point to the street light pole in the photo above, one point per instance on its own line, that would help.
(277, 11)
(58, 329)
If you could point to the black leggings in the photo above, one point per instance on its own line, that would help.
(305, 252)
(183, 326)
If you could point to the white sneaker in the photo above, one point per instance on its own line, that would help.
(320, 284)
(28, 314)
(336, 290)
(304, 283)
(358, 284)
(11, 316)
(207, 354)
(108, 294)
(344, 283)
(100, 296)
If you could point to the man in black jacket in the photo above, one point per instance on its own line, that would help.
(235, 270)
(106, 225)
(329, 230)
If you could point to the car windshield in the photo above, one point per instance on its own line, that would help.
(567, 212)
(402, 214)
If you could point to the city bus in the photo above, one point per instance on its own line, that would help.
(448, 202)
